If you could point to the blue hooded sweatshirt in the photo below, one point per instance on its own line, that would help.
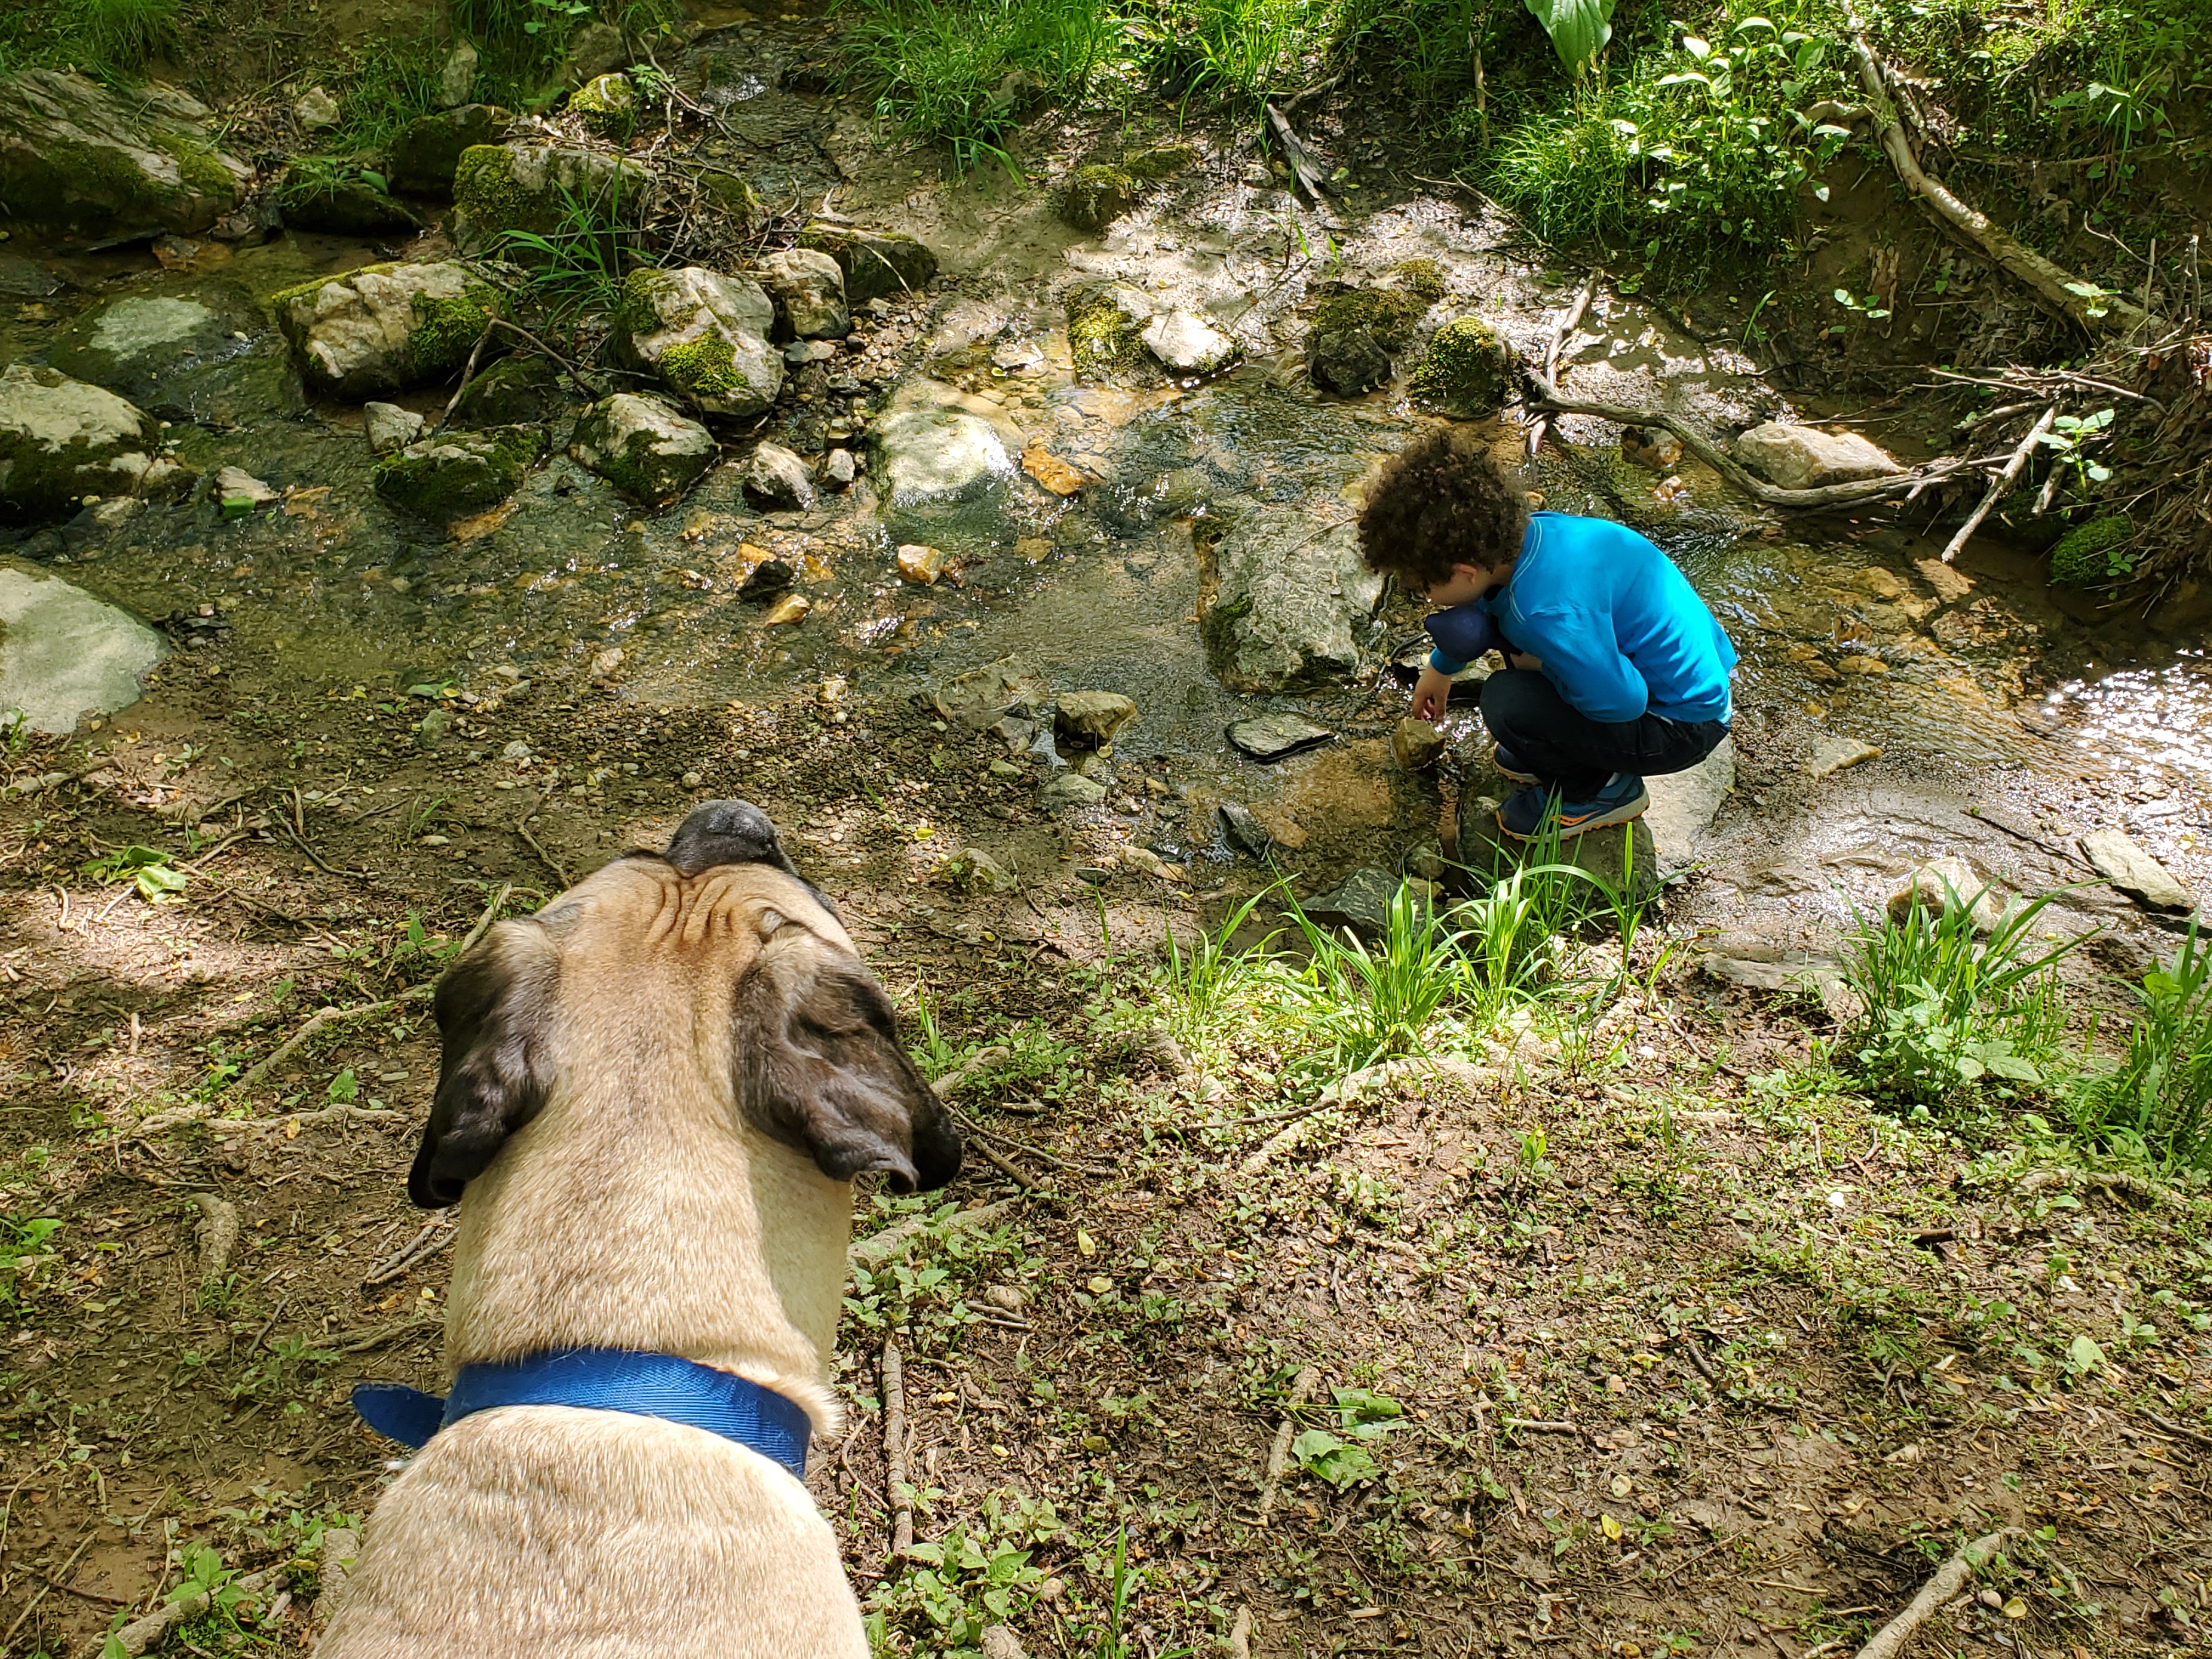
(1619, 630)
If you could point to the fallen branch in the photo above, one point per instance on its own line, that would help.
(216, 1232)
(1733, 472)
(2000, 483)
(546, 858)
(434, 1237)
(1310, 176)
(384, 1334)
(1278, 1456)
(1950, 1578)
(484, 921)
(1539, 1425)
(876, 1249)
(1567, 326)
(894, 1472)
(2067, 294)
(144, 1634)
(317, 1022)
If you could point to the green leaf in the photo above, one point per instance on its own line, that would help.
(2083, 1355)
(1697, 49)
(374, 180)
(1579, 28)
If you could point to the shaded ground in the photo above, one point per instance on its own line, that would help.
(1788, 1347)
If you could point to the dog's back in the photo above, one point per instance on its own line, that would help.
(655, 1093)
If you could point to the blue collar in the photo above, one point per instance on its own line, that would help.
(600, 1379)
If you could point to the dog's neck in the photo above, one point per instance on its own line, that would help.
(638, 1211)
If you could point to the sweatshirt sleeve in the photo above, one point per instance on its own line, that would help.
(1582, 660)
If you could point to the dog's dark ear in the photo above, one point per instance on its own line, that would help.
(820, 1068)
(495, 1012)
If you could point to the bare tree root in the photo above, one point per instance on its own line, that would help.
(1950, 1578)
(1278, 1456)
(1548, 399)
(2067, 294)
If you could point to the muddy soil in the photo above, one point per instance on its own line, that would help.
(1648, 1348)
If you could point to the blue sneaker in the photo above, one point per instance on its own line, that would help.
(1623, 798)
(1504, 762)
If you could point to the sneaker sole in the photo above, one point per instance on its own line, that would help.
(1571, 827)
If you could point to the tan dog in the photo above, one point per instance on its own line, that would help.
(655, 1091)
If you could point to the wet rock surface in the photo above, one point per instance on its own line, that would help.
(389, 328)
(1293, 602)
(61, 441)
(456, 473)
(1805, 458)
(65, 655)
(1275, 737)
(203, 352)
(643, 447)
(426, 155)
(705, 335)
(94, 164)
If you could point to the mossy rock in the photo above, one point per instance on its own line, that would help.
(607, 105)
(343, 328)
(643, 447)
(875, 262)
(343, 206)
(86, 161)
(2093, 555)
(705, 334)
(1159, 161)
(732, 195)
(1423, 278)
(204, 353)
(1106, 332)
(1098, 194)
(424, 157)
(499, 188)
(458, 473)
(1466, 372)
(521, 391)
(1356, 335)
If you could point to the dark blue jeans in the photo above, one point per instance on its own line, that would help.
(1574, 754)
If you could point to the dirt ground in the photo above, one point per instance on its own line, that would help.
(1638, 1348)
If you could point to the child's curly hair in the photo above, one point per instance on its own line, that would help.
(1438, 502)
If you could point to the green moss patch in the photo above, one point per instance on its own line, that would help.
(458, 473)
(446, 330)
(1101, 338)
(608, 106)
(703, 368)
(1464, 373)
(1098, 195)
(1423, 278)
(1388, 314)
(2093, 555)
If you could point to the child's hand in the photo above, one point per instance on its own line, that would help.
(1430, 693)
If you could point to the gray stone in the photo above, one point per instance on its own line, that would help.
(607, 104)
(810, 285)
(426, 155)
(1187, 345)
(1044, 757)
(765, 579)
(204, 354)
(455, 474)
(1070, 789)
(106, 165)
(775, 478)
(1362, 903)
(875, 263)
(839, 469)
(390, 427)
(239, 492)
(1273, 736)
(978, 699)
(705, 335)
(456, 78)
(345, 207)
(526, 390)
(1759, 962)
(1244, 830)
(1651, 447)
(61, 441)
(643, 447)
(1627, 859)
(65, 655)
(340, 1552)
(934, 454)
(26, 279)
(1416, 745)
(1944, 886)
(1684, 804)
(535, 187)
(1092, 717)
(1015, 733)
(315, 109)
(971, 870)
(2121, 861)
(1805, 457)
(1288, 594)
(431, 729)
(594, 49)
(1835, 754)
(383, 328)
(800, 352)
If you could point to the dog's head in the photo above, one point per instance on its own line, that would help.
(625, 968)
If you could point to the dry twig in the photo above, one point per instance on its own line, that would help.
(2000, 483)
(1950, 1578)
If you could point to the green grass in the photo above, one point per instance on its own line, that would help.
(2161, 1093)
(1949, 1014)
(964, 72)
(108, 39)
(1239, 53)
(576, 269)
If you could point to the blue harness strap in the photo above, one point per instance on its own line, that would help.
(601, 1379)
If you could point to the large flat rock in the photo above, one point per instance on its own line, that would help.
(65, 655)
